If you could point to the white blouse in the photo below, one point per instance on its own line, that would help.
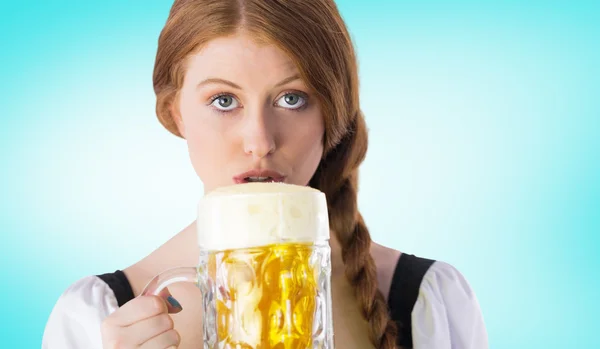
(446, 314)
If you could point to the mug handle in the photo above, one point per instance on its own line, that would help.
(168, 277)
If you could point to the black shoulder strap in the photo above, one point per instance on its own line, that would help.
(121, 287)
(404, 291)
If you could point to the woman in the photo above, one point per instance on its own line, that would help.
(270, 85)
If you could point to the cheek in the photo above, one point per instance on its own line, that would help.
(207, 147)
(310, 143)
(307, 147)
(200, 152)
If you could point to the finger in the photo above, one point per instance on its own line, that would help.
(173, 305)
(162, 341)
(139, 308)
(142, 331)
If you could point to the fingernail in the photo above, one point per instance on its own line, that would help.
(174, 302)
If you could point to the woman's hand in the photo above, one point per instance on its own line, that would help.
(144, 323)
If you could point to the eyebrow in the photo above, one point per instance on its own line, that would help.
(236, 86)
(288, 80)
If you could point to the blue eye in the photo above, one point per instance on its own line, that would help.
(291, 101)
(224, 102)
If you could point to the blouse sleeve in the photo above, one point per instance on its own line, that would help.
(75, 320)
(446, 314)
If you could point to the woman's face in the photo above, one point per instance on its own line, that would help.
(247, 116)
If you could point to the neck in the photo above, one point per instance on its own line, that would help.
(337, 264)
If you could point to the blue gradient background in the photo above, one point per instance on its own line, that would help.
(484, 123)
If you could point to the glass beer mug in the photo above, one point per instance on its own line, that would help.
(264, 268)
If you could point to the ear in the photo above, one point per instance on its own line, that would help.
(176, 117)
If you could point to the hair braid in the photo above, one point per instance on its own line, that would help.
(337, 177)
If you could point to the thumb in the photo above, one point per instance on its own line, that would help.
(172, 304)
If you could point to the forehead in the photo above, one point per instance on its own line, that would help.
(240, 55)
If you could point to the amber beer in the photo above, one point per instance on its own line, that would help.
(264, 267)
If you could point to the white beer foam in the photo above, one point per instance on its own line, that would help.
(258, 214)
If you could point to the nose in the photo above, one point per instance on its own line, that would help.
(259, 138)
